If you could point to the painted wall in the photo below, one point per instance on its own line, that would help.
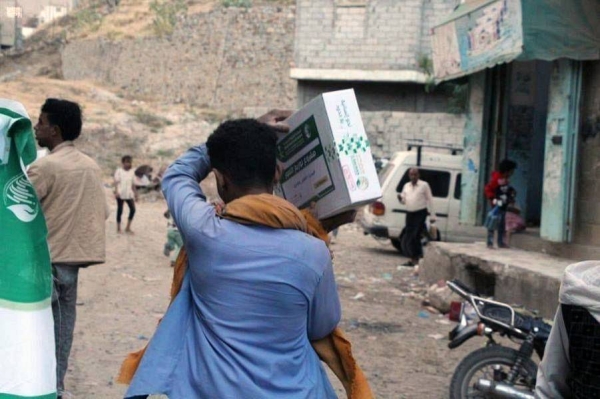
(472, 198)
(560, 152)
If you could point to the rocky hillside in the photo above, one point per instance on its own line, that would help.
(153, 91)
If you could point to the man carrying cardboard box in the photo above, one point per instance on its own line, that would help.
(256, 289)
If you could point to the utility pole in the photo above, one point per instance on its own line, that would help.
(16, 15)
(1, 25)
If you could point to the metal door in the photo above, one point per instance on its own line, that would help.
(562, 149)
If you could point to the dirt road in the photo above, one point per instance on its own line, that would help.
(403, 352)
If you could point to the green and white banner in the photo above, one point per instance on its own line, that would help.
(27, 359)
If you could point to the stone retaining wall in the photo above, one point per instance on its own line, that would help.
(229, 58)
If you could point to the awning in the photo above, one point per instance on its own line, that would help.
(483, 33)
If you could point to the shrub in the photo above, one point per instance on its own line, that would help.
(153, 121)
(166, 13)
(237, 3)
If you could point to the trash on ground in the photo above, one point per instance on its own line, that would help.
(423, 314)
(358, 296)
(440, 296)
(432, 310)
(436, 336)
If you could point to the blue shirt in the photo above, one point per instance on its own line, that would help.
(252, 300)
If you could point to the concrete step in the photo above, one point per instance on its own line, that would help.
(530, 240)
(513, 276)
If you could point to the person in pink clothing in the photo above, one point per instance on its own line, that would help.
(514, 221)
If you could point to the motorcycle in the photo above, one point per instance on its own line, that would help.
(494, 371)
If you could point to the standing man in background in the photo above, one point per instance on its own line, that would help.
(416, 195)
(70, 189)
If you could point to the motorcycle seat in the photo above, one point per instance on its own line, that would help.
(523, 322)
(504, 315)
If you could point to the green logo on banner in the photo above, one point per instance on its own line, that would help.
(26, 276)
(19, 197)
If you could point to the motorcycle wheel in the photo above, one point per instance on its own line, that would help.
(490, 363)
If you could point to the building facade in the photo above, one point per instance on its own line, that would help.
(20, 18)
(533, 82)
(11, 17)
(382, 49)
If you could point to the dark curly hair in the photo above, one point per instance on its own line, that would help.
(64, 114)
(245, 151)
(506, 166)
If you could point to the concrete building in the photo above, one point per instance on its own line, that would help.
(32, 8)
(534, 79)
(51, 12)
(382, 49)
(11, 17)
(20, 18)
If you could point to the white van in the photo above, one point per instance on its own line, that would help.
(385, 218)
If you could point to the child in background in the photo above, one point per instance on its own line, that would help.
(505, 197)
(501, 195)
(125, 191)
(500, 176)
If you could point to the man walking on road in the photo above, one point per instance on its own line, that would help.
(416, 195)
(70, 189)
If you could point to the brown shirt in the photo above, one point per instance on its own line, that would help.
(69, 186)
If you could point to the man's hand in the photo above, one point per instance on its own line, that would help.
(336, 221)
(275, 118)
(401, 198)
(219, 206)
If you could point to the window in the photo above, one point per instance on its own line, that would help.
(457, 187)
(438, 181)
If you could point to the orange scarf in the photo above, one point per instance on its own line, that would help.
(268, 210)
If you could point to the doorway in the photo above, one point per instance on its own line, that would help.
(517, 117)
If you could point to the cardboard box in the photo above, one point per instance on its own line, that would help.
(326, 156)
